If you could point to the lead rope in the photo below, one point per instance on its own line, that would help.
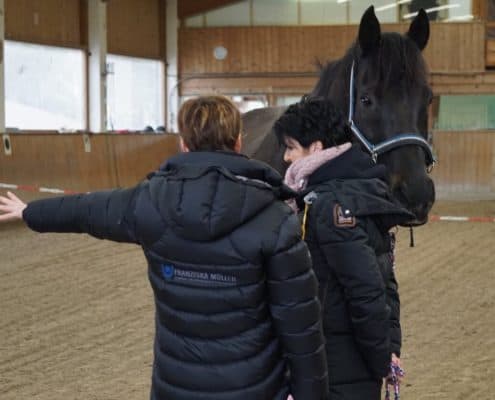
(392, 379)
(305, 217)
(411, 235)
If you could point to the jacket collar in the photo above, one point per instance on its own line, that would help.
(360, 185)
(352, 164)
(236, 164)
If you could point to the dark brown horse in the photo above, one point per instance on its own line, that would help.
(388, 99)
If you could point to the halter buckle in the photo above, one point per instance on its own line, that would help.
(374, 157)
(430, 167)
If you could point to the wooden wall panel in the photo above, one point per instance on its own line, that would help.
(480, 9)
(456, 47)
(53, 22)
(59, 161)
(133, 28)
(55, 160)
(296, 85)
(479, 83)
(490, 52)
(134, 156)
(466, 166)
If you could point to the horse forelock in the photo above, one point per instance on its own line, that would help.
(397, 61)
(400, 62)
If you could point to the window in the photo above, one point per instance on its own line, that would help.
(244, 103)
(329, 12)
(195, 22)
(235, 15)
(438, 10)
(466, 112)
(323, 12)
(288, 100)
(247, 103)
(44, 87)
(386, 10)
(135, 93)
(275, 12)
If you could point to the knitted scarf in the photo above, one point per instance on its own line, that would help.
(299, 171)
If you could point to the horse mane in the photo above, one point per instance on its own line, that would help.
(398, 61)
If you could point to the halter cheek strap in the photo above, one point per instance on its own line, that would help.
(399, 140)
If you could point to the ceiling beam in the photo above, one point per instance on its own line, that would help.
(189, 8)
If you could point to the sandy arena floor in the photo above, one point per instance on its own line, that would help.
(76, 313)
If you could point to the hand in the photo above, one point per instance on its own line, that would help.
(290, 397)
(396, 361)
(11, 207)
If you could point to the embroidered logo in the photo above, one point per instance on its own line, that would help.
(168, 271)
(343, 218)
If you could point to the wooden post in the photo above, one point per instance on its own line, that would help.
(172, 66)
(162, 26)
(480, 9)
(2, 69)
(97, 65)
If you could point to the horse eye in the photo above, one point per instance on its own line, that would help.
(365, 100)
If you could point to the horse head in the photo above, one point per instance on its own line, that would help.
(389, 98)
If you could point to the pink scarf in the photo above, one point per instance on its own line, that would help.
(299, 171)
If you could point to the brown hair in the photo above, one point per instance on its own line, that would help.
(209, 123)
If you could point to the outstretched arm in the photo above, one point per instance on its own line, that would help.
(105, 214)
(11, 207)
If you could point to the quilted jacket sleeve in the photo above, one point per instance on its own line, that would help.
(354, 263)
(105, 214)
(296, 313)
(393, 301)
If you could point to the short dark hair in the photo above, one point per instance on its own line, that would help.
(313, 119)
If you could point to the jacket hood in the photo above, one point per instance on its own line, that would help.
(361, 186)
(207, 195)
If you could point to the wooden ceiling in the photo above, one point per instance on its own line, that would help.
(189, 8)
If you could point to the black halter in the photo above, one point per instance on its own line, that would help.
(399, 140)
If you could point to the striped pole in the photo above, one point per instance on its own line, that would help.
(40, 189)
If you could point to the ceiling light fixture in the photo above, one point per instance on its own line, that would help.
(391, 5)
(432, 9)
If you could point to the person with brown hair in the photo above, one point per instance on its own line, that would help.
(237, 314)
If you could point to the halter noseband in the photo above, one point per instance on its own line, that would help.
(403, 139)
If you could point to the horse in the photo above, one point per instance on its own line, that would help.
(381, 85)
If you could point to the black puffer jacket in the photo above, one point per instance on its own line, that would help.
(236, 298)
(347, 232)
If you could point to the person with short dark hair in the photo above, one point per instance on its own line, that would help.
(347, 211)
(237, 313)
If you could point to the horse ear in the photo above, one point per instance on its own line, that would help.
(369, 32)
(419, 31)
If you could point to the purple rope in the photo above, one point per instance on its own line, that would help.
(396, 372)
